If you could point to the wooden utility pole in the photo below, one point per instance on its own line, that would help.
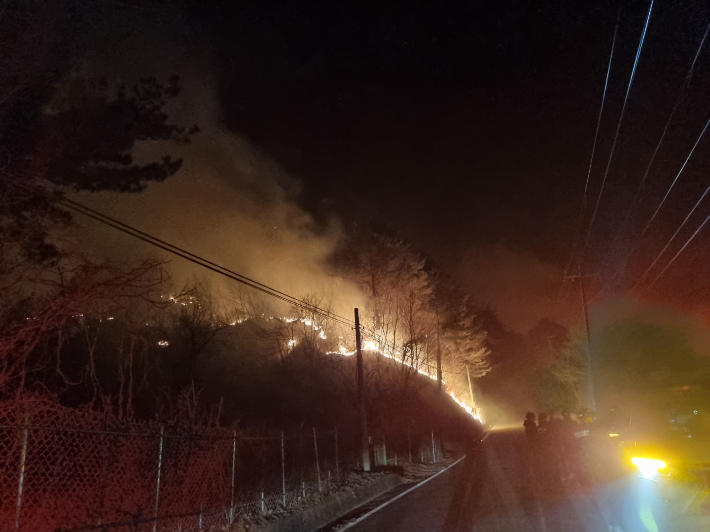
(470, 388)
(364, 439)
(591, 400)
(439, 376)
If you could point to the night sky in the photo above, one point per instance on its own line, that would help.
(466, 128)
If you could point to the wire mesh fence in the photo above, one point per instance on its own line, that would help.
(86, 477)
(66, 471)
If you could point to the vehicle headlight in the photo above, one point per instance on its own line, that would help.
(648, 467)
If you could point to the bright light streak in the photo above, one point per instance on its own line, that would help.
(370, 346)
(613, 435)
(648, 466)
(163, 343)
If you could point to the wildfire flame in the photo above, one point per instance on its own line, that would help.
(473, 410)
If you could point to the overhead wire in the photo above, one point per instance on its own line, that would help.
(175, 250)
(655, 213)
(681, 94)
(655, 261)
(633, 203)
(583, 207)
(205, 263)
(680, 251)
(618, 128)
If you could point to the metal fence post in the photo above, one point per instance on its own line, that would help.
(315, 446)
(337, 457)
(234, 466)
(283, 470)
(23, 461)
(409, 442)
(384, 449)
(157, 484)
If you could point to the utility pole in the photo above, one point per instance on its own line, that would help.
(470, 388)
(364, 440)
(591, 400)
(438, 354)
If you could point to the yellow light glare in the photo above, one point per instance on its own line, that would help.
(613, 435)
(648, 466)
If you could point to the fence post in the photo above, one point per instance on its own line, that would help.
(263, 503)
(283, 470)
(384, 449)
(234, 466)
(23, 461)
(337, 458)
(315, 446)
(199, 522)
(157, 484)
(433, 448)
(409, 443)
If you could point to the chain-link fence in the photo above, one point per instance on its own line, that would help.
(86, 477)
(65, 470)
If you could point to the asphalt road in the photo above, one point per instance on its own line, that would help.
(498, 487)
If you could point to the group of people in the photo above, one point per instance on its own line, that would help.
(556, 435)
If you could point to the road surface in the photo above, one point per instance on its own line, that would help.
(493, 489)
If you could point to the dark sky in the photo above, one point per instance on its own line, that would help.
(457, 122)
(466, 127)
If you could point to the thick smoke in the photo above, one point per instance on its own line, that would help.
(522, 287)
(229, 203)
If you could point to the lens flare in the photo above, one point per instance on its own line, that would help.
(648, 467)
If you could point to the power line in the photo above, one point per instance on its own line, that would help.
(591, 158)
(618, 128)
(680, 251)
(675, 180)
(681, 94)
(196, 259)
(643, 277)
